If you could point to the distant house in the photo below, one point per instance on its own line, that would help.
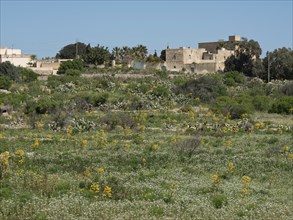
(208, 57)
(15, 57)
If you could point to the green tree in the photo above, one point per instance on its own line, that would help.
(246, 58)
(97, 55)
(9, 70)
(27, 75)
(163, 55)
(71, 51)
(5, 82)
(139, 52)
(73, 65)
(281, 64)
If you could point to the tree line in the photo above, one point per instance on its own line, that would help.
(277, 64)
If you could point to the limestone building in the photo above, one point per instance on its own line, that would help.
(208, 57)
(15, 57)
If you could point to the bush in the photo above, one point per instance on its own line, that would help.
(5, 82)
(287, 89)
(207, 87)
(72, 72)
(283, 105)
(188, 146)
(226, 105)
(231, 78)
(262, 103)
(27, 75)
(219, 201)
(9, 70)
(73, 65)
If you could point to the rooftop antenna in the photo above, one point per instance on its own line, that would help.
(167, 45)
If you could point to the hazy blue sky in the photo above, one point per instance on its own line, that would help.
(44, 27)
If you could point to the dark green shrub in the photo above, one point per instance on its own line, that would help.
(287, 88)
(283, 105)
(219, 201)
(229, 81)
(235, 77)
(262, 103)
(160, 91)
(207, 87)
(72, 72)
(73, 65)
(9, 70)
(235, 108)
(5, 82)
(27, 75)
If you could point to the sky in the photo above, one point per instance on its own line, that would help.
(44, 27)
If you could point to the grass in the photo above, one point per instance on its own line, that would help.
(159, 168)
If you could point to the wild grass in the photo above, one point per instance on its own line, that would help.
(161, 163)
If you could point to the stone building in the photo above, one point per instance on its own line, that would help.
(208, 57)
(15, 57)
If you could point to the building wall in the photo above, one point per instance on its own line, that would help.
(16, 60)
(15, 57)
(214, 46)
(7, 51)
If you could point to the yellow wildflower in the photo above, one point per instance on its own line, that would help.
(290, 156)
(19, 153)
(155, 147)
(87, 172)
(231, 167)
(101, 170)
(215, 178)
(36, 144)
(94, 188)
(107, 191)
(246, 180)
(245, 191)
(285, 148)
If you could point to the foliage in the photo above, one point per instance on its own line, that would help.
(245, 59)
(281, 64)
(235, 108)
(231, 78)
(283, 105)
(72, 51)
(96, 55)
(73, 65)
(5, 82)
(163, 55)
(72, 72)
(219, 201)
(206, 88)
(9, 70)
(27, 75)
(172, 159)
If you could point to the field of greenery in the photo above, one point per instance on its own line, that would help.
(156, 147)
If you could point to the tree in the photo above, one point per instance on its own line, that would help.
(281, 64)
(9, 70)
(97, 55)
(246, 58)
(70, 65)
(139, 52)
(117, 55)
(163, 55)
(153, 58)
(72, 51)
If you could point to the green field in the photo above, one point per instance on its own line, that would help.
(146, 148)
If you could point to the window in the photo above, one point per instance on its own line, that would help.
(189, 56)
(174, 57)
(174, 67)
